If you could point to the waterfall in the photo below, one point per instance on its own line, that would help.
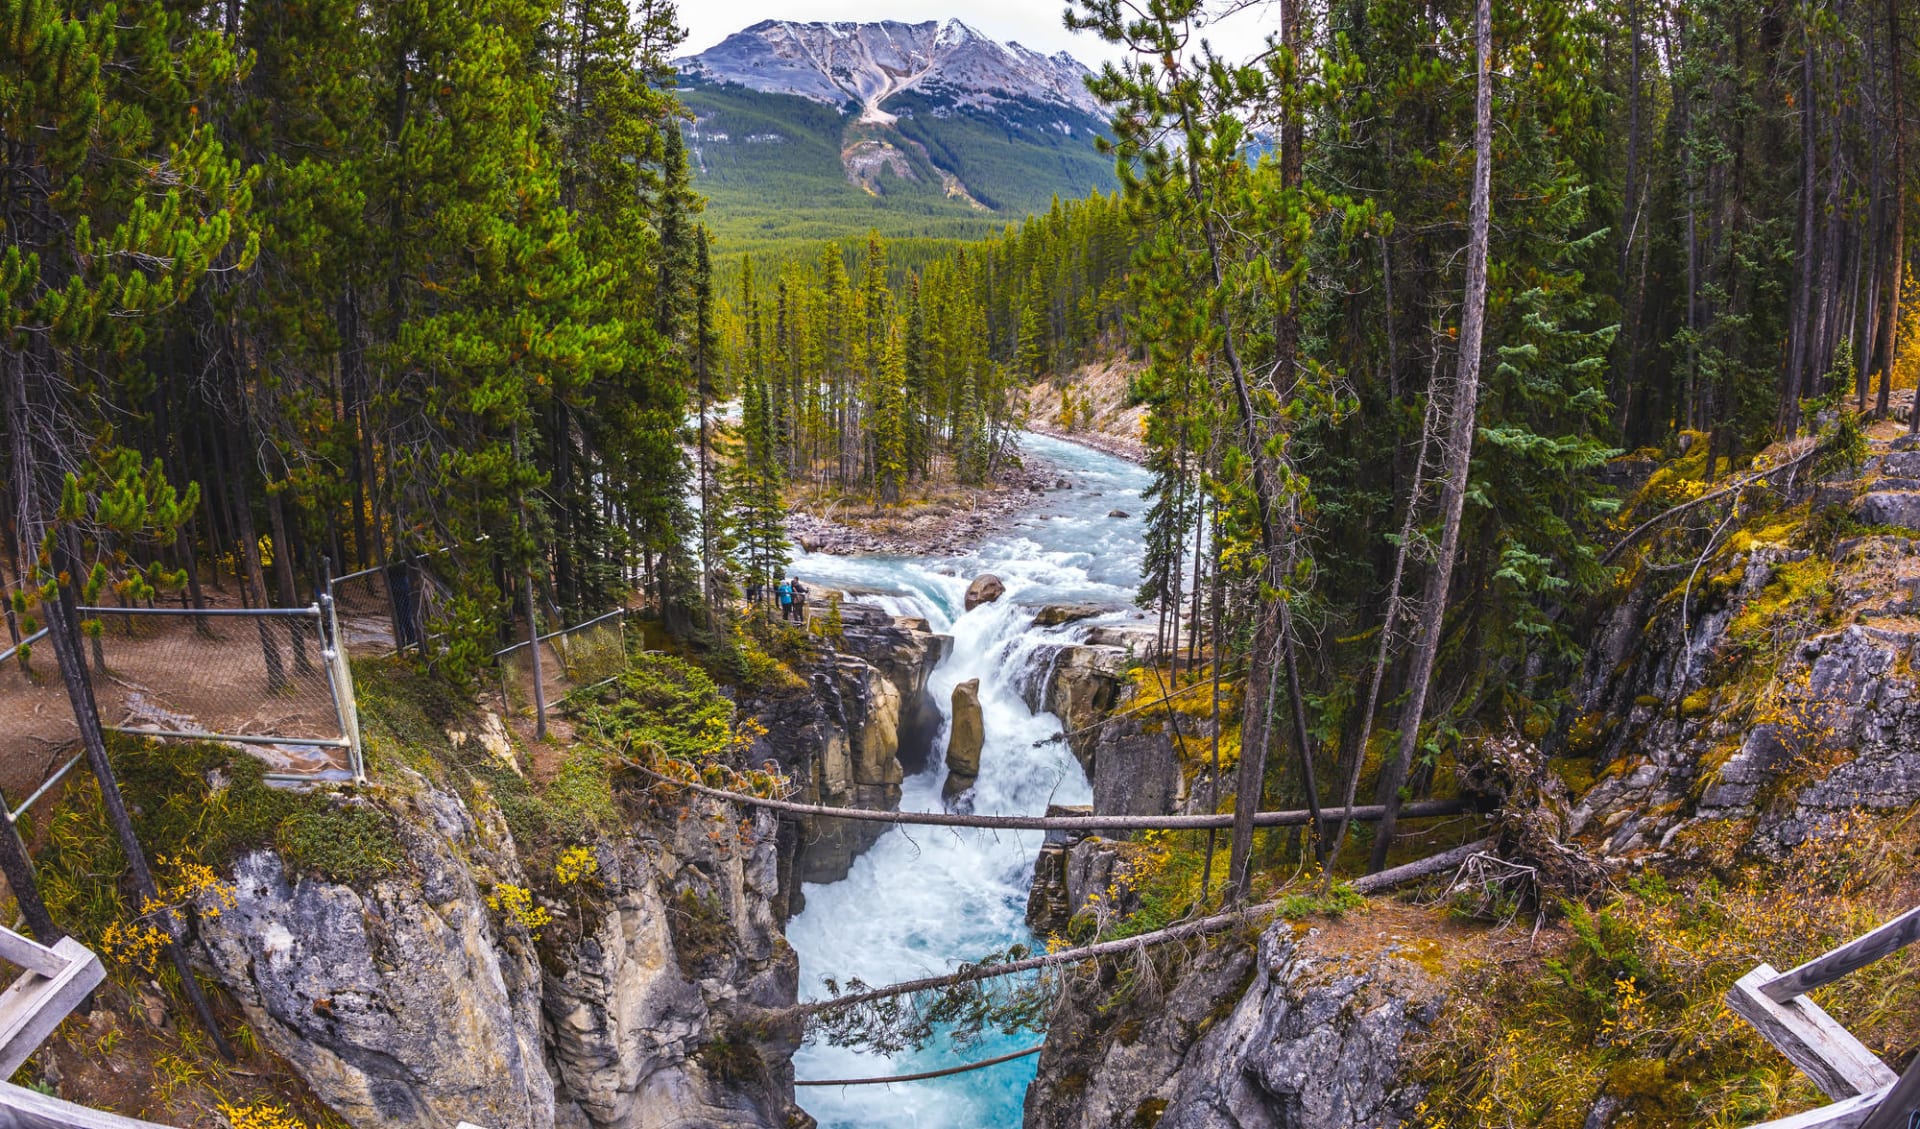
(921, 900)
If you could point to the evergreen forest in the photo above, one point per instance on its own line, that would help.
(1415, 295)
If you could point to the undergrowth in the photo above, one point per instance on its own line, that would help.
(1626, 1002)
(199, 803)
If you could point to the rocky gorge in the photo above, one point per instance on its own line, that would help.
(456, 983)
(1746, 692)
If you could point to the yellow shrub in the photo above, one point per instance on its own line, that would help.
(259, 1115)
(576, 866)
(516, 904)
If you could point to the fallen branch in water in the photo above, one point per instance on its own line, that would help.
(922, 1076)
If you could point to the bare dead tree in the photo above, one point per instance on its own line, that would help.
(1463, 405)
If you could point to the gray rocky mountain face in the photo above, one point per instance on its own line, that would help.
(871, 62)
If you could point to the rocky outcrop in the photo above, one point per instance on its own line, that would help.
(401, 1002)
(1080, 685)
(1131, 760)
(1781, 697)
(967, 736)
(1071, 868)
(411, 1000)
(1304, 1029)
(657, 1012)
(1053, 615)
(849, 737)
(906, 650)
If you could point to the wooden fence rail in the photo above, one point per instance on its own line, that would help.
(1867, 1093)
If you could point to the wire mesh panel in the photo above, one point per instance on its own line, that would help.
(261, 677)
(595, 651)
(571, 659)
(37, 733)
(364, 604)
(391, 608)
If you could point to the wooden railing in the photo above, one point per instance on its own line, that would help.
(52, 982)
(1867, 1093)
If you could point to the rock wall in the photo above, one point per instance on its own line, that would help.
(1130, 760)
(864, 720)
(407, 1001)
(1783, 697)
(1298, 1030)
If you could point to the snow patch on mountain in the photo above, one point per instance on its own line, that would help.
(869, 63)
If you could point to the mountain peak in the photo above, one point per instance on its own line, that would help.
(836, 62)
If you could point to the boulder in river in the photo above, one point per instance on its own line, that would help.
(965, 739)
(1053, 615)
(1118, 513)
(985, 589)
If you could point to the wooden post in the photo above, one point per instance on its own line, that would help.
(533, 645)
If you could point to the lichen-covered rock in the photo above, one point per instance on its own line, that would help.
(1889, 507)
(1788, 700)
(1294, 1032)
(399, 1001)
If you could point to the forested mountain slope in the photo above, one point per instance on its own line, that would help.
(810, 131)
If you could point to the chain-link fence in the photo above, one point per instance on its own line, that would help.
(38, 739)
(387, 609)
(268, 678)
(571, 659)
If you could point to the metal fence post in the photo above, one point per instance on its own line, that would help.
(340, 680)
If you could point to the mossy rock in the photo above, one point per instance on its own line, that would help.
(346, 844)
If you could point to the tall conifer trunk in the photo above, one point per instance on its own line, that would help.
(1458, 455)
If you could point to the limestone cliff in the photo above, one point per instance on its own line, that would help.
(1306, 1028)
(421, 997)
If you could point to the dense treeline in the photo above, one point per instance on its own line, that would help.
(1409, 275)
(365, 281)
(357, 281)
(857, 372)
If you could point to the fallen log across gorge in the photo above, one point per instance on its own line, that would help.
(1424, 809)
(1372, 883)
(886, 1079)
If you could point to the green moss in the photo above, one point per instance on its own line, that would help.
(1794, 601)
(349, 844)
(733, 1061)
(700, 931)
(1575, 772)
(1149, 1113)
(192, 801)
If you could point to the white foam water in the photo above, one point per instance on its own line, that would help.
(922, 900)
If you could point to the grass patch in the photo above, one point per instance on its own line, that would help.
(355, 844)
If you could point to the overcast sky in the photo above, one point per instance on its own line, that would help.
(1034, 23)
